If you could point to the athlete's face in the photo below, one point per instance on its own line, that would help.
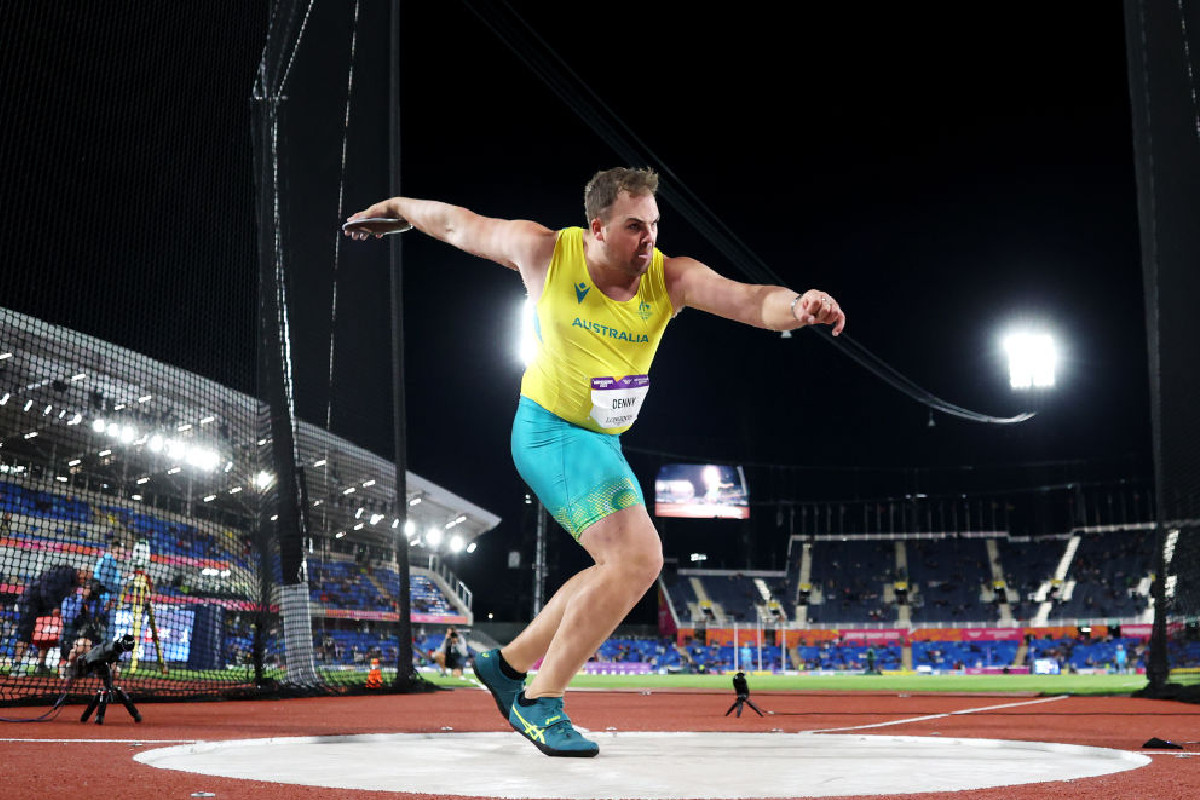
(630, 233)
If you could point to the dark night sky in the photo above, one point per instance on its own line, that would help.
(943, 171)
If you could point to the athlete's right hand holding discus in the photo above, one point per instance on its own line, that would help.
(378, 220)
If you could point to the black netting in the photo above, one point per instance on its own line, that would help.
(1164, 70)
(127, 416)
(196, 418)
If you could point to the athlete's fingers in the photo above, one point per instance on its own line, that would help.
(840, 323)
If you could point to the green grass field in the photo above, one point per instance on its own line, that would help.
(891, 682)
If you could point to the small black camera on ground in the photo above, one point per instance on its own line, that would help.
(742, 689)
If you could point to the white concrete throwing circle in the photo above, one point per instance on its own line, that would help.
(646, 765)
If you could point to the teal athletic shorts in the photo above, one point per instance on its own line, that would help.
(579, 475)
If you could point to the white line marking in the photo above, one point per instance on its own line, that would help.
(940, 716)
(101, 741)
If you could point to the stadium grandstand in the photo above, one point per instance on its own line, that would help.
(1016, 598)
(106, 454)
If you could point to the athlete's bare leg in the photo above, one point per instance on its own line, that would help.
(589, 607)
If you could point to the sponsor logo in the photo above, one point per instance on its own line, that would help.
(581, 290)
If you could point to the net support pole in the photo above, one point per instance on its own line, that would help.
(276, 391)
(406, 677)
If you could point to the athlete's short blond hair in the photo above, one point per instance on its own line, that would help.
(602, 190)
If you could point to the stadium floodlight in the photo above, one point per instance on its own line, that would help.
(455, 544)
(4, 399)
(263, 480)
(1032, 360)
(410, 528)
(526, 332)
(471, 547)
(433, 537)
(203, 458)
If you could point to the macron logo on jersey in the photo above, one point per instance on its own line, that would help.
(581, 290)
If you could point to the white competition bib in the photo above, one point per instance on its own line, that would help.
(617, 401)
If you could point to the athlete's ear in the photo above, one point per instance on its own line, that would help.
(597, 226)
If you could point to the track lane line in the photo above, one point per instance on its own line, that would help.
(941, 716)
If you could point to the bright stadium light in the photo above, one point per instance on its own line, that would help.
(1032, 360)
(527, 334)
(455, 544)
(433, 537)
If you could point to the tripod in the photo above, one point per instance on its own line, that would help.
(137, 594)
(743, 700)
(99, 703)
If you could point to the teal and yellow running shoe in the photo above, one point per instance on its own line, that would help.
(503, 688)
(545, 724)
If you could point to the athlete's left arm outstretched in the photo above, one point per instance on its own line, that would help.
(777, 308)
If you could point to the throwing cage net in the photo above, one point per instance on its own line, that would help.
(196, 421)
(128, 416)
(1164, 71)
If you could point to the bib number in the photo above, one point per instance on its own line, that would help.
(617, 401)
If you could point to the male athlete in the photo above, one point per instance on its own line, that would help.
(604, 295)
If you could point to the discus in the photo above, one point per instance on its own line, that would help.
(377, 226)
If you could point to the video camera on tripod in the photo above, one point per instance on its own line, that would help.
(100, 660)
(100, 657)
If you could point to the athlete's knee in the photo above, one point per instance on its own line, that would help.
(643, 562)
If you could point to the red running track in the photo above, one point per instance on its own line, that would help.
(65, 759)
